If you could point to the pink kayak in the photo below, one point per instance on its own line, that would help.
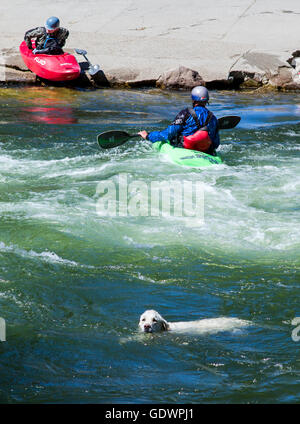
(62, 67)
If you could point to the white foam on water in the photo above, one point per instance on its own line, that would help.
(3, 281)
(13, 298)
(238, 213)
(142, 277)
(90, 171)
(239, 200)
(292, 187)
(131, 242)
(23, 167)
(292, 133)
(46, 256)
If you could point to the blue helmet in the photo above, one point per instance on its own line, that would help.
(52, 24)
(200, 94)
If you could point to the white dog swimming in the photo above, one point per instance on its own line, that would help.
(151, 321)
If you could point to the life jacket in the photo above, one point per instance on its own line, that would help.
(200, 140)
(52, 44)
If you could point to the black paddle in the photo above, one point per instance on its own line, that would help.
(93, 69)
(228, 122)
(110, 139)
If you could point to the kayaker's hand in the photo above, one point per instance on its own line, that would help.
(34, 51)
(143, 134)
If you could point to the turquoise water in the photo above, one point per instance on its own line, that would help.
(73, 283)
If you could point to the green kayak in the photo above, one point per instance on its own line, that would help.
(186, 157)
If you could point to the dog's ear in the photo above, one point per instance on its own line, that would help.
(165, 325)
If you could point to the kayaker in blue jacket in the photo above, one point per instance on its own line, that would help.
(193, 128)
(49, 39)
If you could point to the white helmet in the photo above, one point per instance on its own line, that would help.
(200, 94)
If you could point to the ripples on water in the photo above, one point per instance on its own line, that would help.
(73, 284)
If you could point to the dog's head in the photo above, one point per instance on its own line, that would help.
(151, 321)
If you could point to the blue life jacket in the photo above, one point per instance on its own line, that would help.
(184, 125)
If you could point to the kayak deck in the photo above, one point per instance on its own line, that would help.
(62, 67)
(186, 157)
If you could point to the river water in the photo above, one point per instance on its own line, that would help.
(73, 282)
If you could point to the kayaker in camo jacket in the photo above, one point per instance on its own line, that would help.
(193, 128)
(49, 39)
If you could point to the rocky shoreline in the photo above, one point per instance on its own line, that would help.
(286, 77)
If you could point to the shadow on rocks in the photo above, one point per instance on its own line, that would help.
(99, 79)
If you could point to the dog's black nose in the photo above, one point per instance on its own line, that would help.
(147, 328)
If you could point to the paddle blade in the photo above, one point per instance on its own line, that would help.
(94, 69)
(228, 122)
(80, 51)
(110, 139)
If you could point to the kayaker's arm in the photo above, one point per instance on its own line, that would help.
(48, 50)
(32, 33)
(171, 133)
(51, 46)
(62, 36)
(213, 132)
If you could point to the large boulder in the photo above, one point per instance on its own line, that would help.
(13, 70)
(128, 77)
(181, 77)
(282, 78)
(15, 76)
